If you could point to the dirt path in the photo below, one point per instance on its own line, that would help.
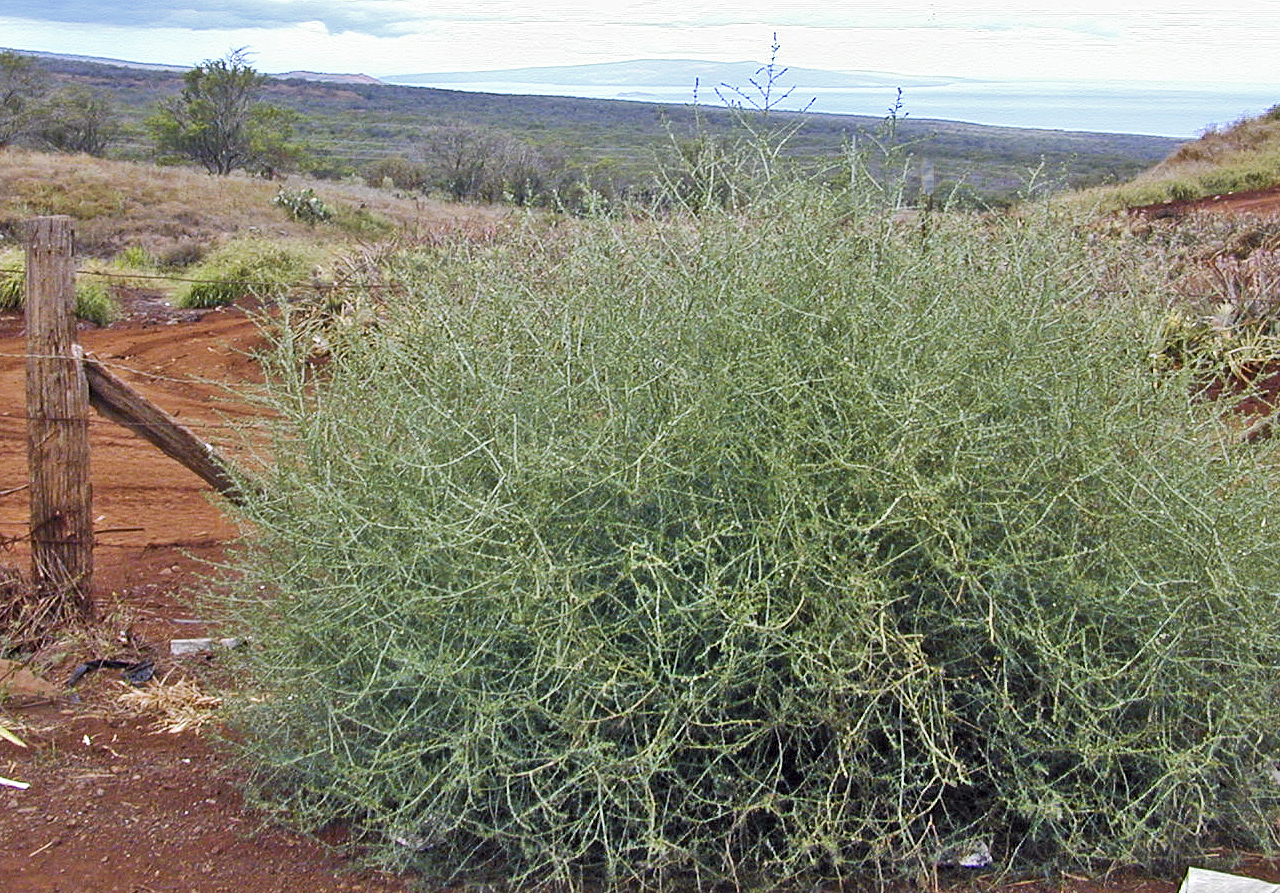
(1263, 202)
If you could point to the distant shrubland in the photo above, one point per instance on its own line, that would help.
(569, 152)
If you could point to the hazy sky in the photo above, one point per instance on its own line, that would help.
(1167, 40)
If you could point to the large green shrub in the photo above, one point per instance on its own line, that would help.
(790, 543)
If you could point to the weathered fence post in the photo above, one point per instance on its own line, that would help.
(57, 423)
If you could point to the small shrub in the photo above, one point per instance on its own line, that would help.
(247, 267)
(182, 254)
(302, 205)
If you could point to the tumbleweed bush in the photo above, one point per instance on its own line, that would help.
(756, 546)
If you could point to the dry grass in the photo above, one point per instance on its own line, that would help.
(1242, 156)
(118, 204)
(177, 706)
(1218, 145)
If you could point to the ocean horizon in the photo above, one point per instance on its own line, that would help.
(1157, 109)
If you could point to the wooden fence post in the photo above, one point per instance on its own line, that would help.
(57, 423)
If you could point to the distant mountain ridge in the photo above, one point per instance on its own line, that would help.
(668, 72)
(98, 60)
(326, 78)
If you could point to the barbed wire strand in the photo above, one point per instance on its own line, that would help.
(246, 283)
(154, 376)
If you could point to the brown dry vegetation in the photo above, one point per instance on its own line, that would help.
(117, 204)
(1219, 145)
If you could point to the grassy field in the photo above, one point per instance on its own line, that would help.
(162, 210)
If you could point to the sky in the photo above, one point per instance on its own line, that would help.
(1149, 40)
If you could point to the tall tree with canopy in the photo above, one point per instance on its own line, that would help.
(218, 120)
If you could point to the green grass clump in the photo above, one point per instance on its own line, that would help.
(136, 257)
(245, 267)
(94, 302)
(11, 282)
(10, 292)
(362, 223)
(762, 547)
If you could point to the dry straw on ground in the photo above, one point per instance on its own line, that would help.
(178, 706)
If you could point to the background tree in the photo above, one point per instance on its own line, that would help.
(21, 88)
(77, 120)
(271, 146)
(218, 121)
(487, 165)
(458, 158)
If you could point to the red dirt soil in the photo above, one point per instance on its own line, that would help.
(114, 807)
(1260, 202)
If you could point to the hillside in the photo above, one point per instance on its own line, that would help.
(1244, 156)
(176, 211)
(349, 127)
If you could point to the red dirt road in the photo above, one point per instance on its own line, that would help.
(1260, 202)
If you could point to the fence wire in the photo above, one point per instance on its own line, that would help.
(246, 283)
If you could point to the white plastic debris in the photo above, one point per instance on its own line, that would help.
(178, 647)
(1201, 880)
(968, 854)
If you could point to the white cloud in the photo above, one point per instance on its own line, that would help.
(1147, 39)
